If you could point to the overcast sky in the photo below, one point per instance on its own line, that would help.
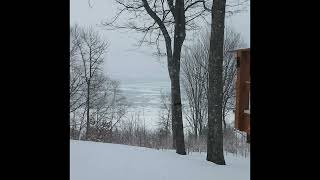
(123, 60)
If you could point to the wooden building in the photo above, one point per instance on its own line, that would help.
(242, 113)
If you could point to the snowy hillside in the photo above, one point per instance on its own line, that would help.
(103, 161)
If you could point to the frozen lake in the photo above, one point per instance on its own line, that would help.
(144, 98)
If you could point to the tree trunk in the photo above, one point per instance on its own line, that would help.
(197, 119)
(177, 124)
(174, 146)
(224, 108)
(174, 71)
(88, 111)
(215, 91)
(174, 67)
(196, 131)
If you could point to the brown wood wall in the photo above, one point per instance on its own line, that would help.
(242, 120)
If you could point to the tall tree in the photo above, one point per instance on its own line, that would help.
(194, 81)
(232, 41)
(166, 15)
(168, 18)
(91, 49)
(76, 80)
(215, 90)
(195, 78)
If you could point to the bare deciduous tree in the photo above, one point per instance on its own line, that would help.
(109, 107)
(165, 20)
(194, 81)
(232, 41)
(91, 49)
(165, 15)
(164, 123)
(195, 78)
(95, 101)
(76, 83)
(76, 80)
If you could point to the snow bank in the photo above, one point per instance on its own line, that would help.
(103, 161)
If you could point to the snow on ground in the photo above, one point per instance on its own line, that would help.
(104, 161)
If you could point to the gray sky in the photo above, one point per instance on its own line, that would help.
(123, 60)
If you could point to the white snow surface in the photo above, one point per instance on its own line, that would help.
(104, 161)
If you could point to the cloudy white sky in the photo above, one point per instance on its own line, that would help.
(123, 61)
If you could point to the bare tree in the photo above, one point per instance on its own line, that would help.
(92, 94)
(74, 40)
(194, 81)
(232, 41)
(195, 78)
(133, 131)
(76, 80)
(215, 90)
(169, 19)
(76, 84)
(108, 108)
(159, 11)
(166, 16)
(91, 49)
(164, 123)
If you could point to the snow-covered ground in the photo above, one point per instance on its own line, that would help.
(103, 161)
